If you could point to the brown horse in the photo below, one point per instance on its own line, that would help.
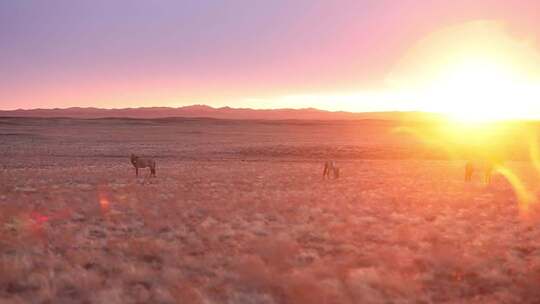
(139, 162)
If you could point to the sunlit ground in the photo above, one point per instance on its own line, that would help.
(234, 219)
(488, 141)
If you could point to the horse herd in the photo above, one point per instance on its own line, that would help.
(330, 168)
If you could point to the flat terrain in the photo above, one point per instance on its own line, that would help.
(239, 213)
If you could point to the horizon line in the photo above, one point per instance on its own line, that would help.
(218, 108)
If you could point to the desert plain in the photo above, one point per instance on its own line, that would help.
(239, 213)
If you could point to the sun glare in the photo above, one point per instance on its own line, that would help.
(474, 72)
(480, 91)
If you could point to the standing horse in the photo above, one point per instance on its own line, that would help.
(330, 166)
(486, 166)
(139, 162)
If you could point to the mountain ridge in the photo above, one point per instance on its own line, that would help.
(205, 111)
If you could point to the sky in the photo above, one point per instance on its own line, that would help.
(338, 55)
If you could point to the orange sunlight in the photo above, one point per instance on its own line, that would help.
(479, 91)
(474, 72)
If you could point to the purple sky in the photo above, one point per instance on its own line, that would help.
(128, 53)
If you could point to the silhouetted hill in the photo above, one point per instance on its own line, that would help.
(222, 113)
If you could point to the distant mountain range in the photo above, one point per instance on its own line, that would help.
(204, 111)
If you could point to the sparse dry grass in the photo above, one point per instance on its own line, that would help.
(263, 231)
(267, 232)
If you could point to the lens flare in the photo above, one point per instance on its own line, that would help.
(103, 202)
(525, 197)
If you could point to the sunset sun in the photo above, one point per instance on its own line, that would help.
(474, 72)
(481, 91)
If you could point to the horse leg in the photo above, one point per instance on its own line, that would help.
(153, 169)
(488, 177)
(336, 173)
(469, 169)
